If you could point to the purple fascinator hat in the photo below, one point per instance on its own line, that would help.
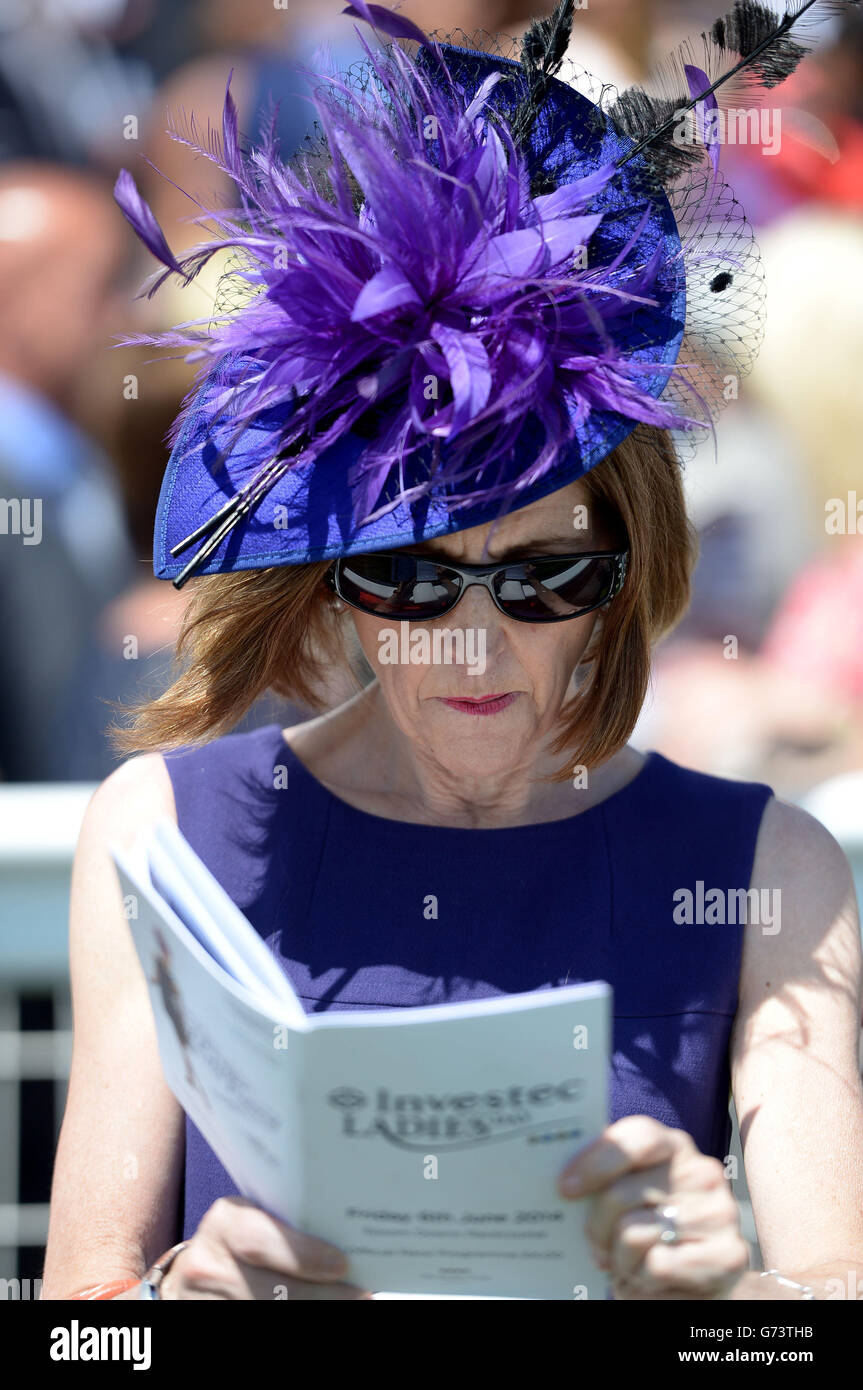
(463, 292)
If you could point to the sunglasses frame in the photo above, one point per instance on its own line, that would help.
(484, 575)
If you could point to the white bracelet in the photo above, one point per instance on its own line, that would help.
(150, 1284)
(806, 1289)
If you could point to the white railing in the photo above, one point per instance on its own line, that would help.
(39, 827)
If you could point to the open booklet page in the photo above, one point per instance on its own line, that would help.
(423, 1142)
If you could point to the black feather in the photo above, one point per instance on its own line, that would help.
(751, 31)
(750, 50)
(636, 111)
(543, 49)
(545, 42)
(746, 31)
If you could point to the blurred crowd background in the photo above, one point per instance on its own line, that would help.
(764, 678)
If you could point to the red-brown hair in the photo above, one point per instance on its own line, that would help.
(251, 631)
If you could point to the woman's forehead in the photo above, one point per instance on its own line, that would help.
(562, 516)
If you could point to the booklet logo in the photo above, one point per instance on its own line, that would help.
(461, 1120)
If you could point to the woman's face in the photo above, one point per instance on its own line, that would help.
(529, 665)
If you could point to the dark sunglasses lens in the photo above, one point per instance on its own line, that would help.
(541, 590)
(397, 586)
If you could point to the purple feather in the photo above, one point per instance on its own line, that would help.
(386, 21)
(139, 215)
(445, 271)
(388, 290)
(230, 135)
(700, 82)
(469, 374)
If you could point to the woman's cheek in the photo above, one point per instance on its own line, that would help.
(583, 629)
(549, 655)
(370, 634)
(400, 682)
(401, 685)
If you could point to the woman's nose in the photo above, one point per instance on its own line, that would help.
(476, 608)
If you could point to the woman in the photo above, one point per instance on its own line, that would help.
(499, 784)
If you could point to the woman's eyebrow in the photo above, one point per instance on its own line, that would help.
(558, 545)
(562, 545)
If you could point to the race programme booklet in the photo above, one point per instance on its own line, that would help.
(423, 1142)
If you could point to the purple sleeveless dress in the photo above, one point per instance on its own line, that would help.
(339, 894)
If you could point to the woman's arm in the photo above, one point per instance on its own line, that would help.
(119, 1161)
(794, 1060)
(799, 1101)
(117, 1171)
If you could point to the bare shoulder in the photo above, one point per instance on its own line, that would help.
(797, 851)
(803, 866)
(137, 792)
(133, 796)
(786, 827)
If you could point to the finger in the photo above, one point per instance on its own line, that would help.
(243, 1284)
(647, 1188)
(697, 1269)
(661, 1185)
(203, 1273)
(636, 1141)
(253, 1237)
(695, 1218)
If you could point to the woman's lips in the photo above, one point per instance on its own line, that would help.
(486, 704)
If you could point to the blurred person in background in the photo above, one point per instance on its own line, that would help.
(815, 644)
(815, 639)
(820, 155)
(788, 705)
(64, 548)
(750, 684)
(65, 86)
(264, 49)
(131, 646)
(615, 38)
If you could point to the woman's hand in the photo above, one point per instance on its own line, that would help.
(240, 1251)
(633, 1170)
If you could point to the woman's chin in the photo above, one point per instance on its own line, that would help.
(480, 744)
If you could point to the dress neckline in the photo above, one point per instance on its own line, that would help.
(650, 762)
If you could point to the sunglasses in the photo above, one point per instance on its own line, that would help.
(546, 589)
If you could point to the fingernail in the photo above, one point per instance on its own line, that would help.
(570, 1185)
